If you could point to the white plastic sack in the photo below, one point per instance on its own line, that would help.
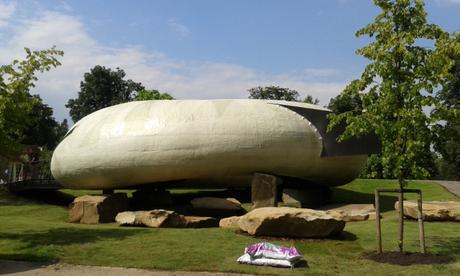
(271, 255)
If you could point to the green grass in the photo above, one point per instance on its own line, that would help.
(35, 231)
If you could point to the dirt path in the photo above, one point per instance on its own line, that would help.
(18, 268)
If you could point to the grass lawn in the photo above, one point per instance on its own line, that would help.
(37, 231)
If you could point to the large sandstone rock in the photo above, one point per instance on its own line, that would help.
(433, 210)
(158, 218)
(264, 190)
(97, 209)
(291, 222)
(230, 222)
(352, 212)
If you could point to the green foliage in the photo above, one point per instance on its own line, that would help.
(397, 84)
(273, 93)
(279, 93)
(101, 88)
(146, 95)
(309, 99)
(43, 131)
(16, 104)
(345, 103)
(447, 142)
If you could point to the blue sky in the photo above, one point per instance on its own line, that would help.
(199, 49)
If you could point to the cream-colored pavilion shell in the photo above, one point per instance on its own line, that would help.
(211, 142)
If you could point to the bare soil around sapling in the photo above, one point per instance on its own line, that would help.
(407, 258)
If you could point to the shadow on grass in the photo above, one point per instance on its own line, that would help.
(340, 195)
(52, 197)
(69, 236)
(447, 246)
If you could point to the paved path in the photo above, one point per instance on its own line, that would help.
(451, 186)
(60, 269)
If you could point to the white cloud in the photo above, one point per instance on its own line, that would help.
(182, 79)
(178, 28)
(6, 11)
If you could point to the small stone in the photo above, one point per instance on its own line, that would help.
(352, 212)
(230, 222)
(157, 218)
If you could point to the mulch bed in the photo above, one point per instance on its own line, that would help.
(407, 258)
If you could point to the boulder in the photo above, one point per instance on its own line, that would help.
(230, 222)
(200, 222)
(97, 209)
(433, 210)
(157, 218)
(352, 212)
(291, 222)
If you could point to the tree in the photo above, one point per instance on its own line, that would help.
(273, 93)
(42, 132)
(278, 93)
(61, 130)
(447, 141)
(345, 103)
(145, 95)
(374, 168)
(309, 99)
(101, 88)
(396, 85)
(16, 104)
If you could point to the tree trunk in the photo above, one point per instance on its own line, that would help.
(401, 216)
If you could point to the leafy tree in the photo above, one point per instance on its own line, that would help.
(279, 93)
(101, 88)
(345, 103)
(42, 132)
(398, 82)
(374, 168)
(273, 93)
(309, 99)
(61, 130)
(16, 104)
(447, 142)
(145, 95)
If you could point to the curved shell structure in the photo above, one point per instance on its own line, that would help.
(207, 142)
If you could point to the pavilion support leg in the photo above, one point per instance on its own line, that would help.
(264, 190)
